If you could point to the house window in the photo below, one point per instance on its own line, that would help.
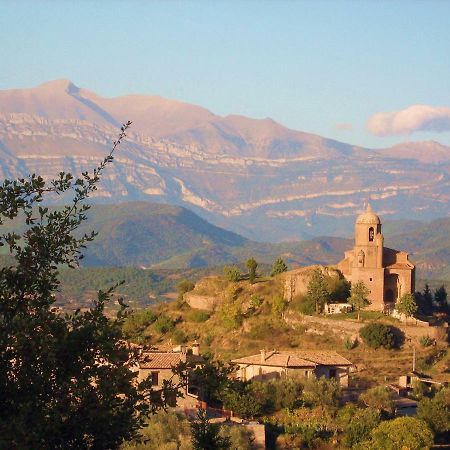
(155, 378)
(332, 373)
(370, 279)
(371, 234)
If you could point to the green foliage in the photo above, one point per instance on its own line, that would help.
(322, 392)
(318, 290)
(198, 316)
(400, 434)
(65, 380)
(244, 400)
(205, 435)
(279, 306)
(279, 266)
(232, 273)
(304, 304)
(378, 335)
(349, 343)
(436, 411)
(184, 286)
(165, 430)
(251, 266)
(179, 336)
(378, 398)
(407, 305)
(426, 341)
(213, 378)
(135, 324)
(440, 296)
(339, 289)
(231, 314)
(255, 301)
(164, 324)
(359, 294)
(360, 426)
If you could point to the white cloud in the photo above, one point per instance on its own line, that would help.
(409, 120)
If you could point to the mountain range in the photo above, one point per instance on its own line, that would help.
(254, 177)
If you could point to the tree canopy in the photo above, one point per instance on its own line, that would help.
(66, 381)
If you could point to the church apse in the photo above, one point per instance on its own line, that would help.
(386, 272)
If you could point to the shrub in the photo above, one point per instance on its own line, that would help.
(436, 411)
(322, 392)
(135, 324)
(179, 336)
(361, 425)
(426, 341)
(231, 315)
(378, 335)
(164, 324)
(198, 316)
(349, 343)
(185, 286)
(378, 398)
(304, 304)
(255, 301)
(279, 266)
(232, 273)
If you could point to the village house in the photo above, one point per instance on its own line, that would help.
(278, 364)
(157, 365)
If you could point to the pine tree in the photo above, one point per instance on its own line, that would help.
(251, 266)
(318, 290)
(278, 267)
(358, 296)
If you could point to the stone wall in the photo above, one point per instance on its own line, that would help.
(296, 281)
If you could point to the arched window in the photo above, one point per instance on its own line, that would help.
(371, 234)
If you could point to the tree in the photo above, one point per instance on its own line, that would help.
(322, 392)
(378, 398)
(407, 305)
(436, 411)
(358, 296)
(251, 266)
(360, 426)
(65, 380)
(205, 435)
(279, 305)
(183, 287)
(440, 296)
(378, 335)
(317, 290)
(401, 434)
(278, 267)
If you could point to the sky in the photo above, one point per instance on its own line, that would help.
(370, 73)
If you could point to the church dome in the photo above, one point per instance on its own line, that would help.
(368, 217)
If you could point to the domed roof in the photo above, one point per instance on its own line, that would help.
(368, 217)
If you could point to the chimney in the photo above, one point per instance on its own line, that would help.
(196, 348)
(263, 356)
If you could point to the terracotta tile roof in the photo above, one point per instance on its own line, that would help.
(159, 360)
(296, 359)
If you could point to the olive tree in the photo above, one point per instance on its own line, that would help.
(66, 380)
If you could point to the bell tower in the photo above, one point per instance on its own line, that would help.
(367, 265)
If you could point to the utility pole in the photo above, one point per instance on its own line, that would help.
(414, 358)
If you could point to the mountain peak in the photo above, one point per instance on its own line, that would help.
(59, 85)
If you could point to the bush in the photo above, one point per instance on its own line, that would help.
(426, 341)
(255, 301)
(164, 324)
(378, 398)
(179, 336)
(322, 392)
(232, 273)
(198, 316)
(136, 323)
(361, 425)
(378, 335)
(304, 304)
(349, 343)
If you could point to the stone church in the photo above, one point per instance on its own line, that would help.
(386, 272)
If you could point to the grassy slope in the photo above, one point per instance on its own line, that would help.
(260, 328)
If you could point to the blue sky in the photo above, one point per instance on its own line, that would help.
(319, 66)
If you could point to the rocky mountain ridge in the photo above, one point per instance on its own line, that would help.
(254, 177)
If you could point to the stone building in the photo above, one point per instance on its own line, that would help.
(386, 272)
(157, 366)
(269, 365)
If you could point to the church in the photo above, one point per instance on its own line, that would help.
(386, 272)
